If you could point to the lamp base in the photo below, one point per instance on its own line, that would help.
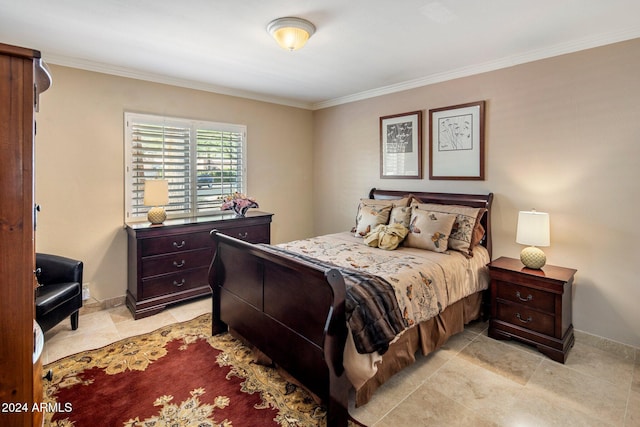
(533, 257)
(156, 215)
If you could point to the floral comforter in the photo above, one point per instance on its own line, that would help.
(424, 282)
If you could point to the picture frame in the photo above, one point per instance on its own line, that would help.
(401, 146)
(456, 142)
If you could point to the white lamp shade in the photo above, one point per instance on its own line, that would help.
(156, 192)
(533, 228)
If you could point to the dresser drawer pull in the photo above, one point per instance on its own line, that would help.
(178, 264)
(178, 284)
(528, 298)
(179, 245)
(243, 235)
(529, 319)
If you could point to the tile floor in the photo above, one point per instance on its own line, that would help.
(472, 381)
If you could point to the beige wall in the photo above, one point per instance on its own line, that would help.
(562, 136)
(79, 164)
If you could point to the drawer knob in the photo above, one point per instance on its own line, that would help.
(243, 235)
(178, 264)
(48, 376)
(528, 298)
(528, 319)
(178, 284)
(179, 245)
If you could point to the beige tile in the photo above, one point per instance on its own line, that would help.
(72, 345)
(191, 310)
(632, 417)
(604, 344)
(488, 394)
(538, 408)
(90, 324)
(601, 364)
(501, 358)
(398, 387)
(429, 407)
(120, 314)
(567, 391)
(477, 326)
(635, 382)
(129, 328)
(458, 342)
(409, 379)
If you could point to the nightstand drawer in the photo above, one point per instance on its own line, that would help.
(520, 315)
(176, 262)
(531, 298)
(171, 283)
(177, 243)
(255, 234)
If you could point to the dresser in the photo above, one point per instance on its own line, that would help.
(169, 263)
(533, 306)
(23, 76)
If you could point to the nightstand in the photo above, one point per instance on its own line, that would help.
(533, 306)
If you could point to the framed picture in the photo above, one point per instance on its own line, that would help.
(401, 145)
(456, 142)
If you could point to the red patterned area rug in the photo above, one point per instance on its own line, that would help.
(179, 375)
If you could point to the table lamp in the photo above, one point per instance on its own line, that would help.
(156, 194)
(533, 230)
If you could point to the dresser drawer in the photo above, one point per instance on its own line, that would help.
(255, 234)
(520, 315)
(176, 262)
(176, 243)
(528, 297)
(171, 283)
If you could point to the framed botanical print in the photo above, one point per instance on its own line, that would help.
(456, 142)
(401, 145)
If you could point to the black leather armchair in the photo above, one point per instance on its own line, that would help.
(59, 293)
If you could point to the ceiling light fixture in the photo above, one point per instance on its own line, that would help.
(291, 33)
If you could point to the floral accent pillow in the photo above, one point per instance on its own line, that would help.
(369, 217)
(400, 215)
(429, 230)
(467, 220)
(404, 202)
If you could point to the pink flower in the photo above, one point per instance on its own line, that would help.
(239, 203)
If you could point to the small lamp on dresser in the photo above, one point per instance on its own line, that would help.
(156, 194)
(533, 230)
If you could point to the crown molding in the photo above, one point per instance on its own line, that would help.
(531, 56)
(99, 67)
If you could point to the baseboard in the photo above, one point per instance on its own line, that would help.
(92, 305)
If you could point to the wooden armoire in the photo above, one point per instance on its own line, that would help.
(23, 76)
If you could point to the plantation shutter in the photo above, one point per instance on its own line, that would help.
(202, 161)
(220, 165)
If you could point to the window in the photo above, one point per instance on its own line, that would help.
(203, 162)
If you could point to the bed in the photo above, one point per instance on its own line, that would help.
(290, 301)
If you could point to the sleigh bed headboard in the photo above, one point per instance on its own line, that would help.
(472, 200)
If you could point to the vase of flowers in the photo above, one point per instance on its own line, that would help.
(239, 203)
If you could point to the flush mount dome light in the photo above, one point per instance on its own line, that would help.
(291, 33)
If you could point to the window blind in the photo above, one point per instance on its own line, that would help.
(202, 161)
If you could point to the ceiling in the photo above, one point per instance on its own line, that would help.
(361, 48)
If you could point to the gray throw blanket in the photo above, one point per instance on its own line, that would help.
(371, 306)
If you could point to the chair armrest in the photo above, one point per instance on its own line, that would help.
(58, 269)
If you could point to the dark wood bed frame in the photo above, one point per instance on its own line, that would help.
(293, 311)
